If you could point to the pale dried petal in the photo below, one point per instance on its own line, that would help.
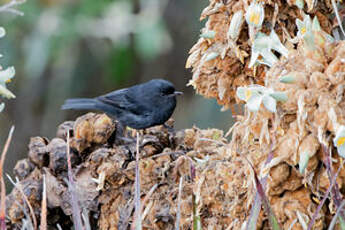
(5, 92)
(211, 56)
(303, 161)
(235, 25)
(2, 32)
(7, 74)
(269, 103)
(287, 79)
(254, 103)
(279, 96)
(208, 34)
(339, 141)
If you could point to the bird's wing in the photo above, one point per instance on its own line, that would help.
(122, 99)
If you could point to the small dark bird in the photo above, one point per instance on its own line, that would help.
(139, 107)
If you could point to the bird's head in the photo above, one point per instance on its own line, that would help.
(162, 95)
(163, 89)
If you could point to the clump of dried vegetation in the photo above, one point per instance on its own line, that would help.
(282, 169)
(220, 60)
(103, 165)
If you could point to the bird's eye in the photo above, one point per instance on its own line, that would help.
(168, 91)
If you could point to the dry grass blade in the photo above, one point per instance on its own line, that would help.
(76, 212)
(260, 190)
(335, 217)
(311, 223)
(3, 188)
(164, 154)
(19, 187)
(271, 217)
(147, 197)
(335, 8)
(136, 225)
(255, 211)
(335, 192)
(196, 217)
(178, 214)
(213, 141)
(86, 219)
(44, 206)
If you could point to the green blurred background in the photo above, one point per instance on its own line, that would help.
(84, 48)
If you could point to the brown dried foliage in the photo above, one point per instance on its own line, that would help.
(104, 176)
(315, 107)
(220, 77)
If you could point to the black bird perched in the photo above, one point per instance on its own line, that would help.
(139, 107)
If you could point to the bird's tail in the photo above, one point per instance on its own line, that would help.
(79, 103)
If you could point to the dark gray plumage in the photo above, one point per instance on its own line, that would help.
(139, 107)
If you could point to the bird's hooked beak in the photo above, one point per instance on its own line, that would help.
(176, 93)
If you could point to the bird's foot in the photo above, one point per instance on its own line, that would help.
(169, 128)
(123, 140)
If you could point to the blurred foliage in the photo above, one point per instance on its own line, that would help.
(84, 48)
(50, 27)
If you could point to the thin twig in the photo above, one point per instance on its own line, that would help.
(335, 217)
(164, 154)
(44, 206)
(147, 197)
(333, 181)
(211, 140)
(178, 214)
(335, 190)
(19, 187)
(256, 207)
(85, 215)
(3, 188)
(261, 192)
(137, 219)
(337, 16)
(76, 213)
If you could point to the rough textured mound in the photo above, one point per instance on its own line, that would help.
(220, 62)
(99, 153)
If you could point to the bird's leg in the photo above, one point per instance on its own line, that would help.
(133, 132)
(121, 134)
